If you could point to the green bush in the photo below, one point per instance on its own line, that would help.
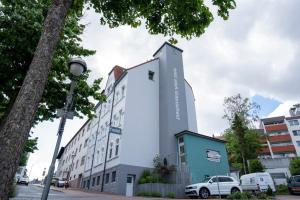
(142, 181)
(144, 194)
(282, 189)
(155, 194)
(262, 196)
(269, 192)
(240, 195)
(171, 195)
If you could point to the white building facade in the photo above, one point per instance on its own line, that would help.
(72, 157)
(148, 104)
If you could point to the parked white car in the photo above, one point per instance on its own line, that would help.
(257, 182)
(23, 180)
(223, 185)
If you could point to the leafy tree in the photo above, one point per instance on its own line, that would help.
(247, 110)
(255, 166)
(16, 53)
(250, 147)
(30, 147)
(172, 17)
(240, 113)
(295, 166)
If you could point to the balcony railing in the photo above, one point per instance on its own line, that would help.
(280, 138)
(288, 148)
(276, 127)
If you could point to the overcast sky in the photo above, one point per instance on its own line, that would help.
(255, 53)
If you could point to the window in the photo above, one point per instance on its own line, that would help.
(296, 133)
(113, 176)
(93, 181)
(117, 147)
(225, 179)
(106, 178)
(74, 176)
(110, 149)
(102, 154)
(88, 183)
(80, 147)
(298, 143)
(76, 164)
(88, 127)
(182, 158)
(85, 143)
(180, 140)
(181, 149)
(82, 160)
(151, 75)
(83, 184)
(98, 180)
(294, 122)
(123, 90)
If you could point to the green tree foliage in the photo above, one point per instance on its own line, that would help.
(250, 146)
(295, 166)
(187, 18)
(240, 113)
(247, 110)
(30, 147)
(21, 25)
(255, 166)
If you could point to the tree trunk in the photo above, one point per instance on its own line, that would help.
(16, 126)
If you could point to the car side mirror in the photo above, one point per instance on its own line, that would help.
(210, 181)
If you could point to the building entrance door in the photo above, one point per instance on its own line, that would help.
(129, 185)
(79, 180)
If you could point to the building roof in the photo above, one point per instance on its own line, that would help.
(273, 119)
(294, 117)
(186, 132)
(166, 43)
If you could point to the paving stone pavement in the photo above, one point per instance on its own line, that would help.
(35, 192)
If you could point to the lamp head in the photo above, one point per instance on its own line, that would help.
(77, 66)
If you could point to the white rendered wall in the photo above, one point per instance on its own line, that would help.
(73, 147)
(140, 138)
(191, 110)
(294, 138)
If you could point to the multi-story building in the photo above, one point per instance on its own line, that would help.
(282, 137)
(72, 157)
(149, 111)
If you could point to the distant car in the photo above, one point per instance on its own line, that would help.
(61, 183)
(223, 185)
(23, 180)
(294, 184)
(257, 182)
(54, 181)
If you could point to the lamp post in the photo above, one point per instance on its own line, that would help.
(77, 66)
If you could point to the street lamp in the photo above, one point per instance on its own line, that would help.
(77, 66)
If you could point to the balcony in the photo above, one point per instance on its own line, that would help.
(288, 148)
(264, 149)
(280, 138)
(276, 127)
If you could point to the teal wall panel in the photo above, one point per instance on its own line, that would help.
(196, 157)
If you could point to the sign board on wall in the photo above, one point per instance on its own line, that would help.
(115, 130)
(213, 155)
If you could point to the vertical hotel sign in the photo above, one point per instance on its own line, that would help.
(176, 94)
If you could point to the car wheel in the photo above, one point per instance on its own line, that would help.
(204, 193)
(234, 190)
(290, 191)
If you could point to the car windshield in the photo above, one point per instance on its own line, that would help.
(205, 180)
